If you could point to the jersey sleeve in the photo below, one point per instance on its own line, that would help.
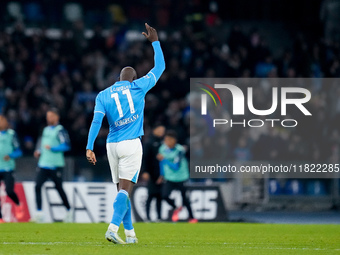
(15, 142)
(150, 79)
(38, 144)
(63, 136)
(175, 163)
(94, 129)
(16, 153)
(64, 140)
(99, 107)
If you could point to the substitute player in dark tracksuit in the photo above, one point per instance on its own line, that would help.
(151, 170)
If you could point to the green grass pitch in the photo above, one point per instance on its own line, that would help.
(169, 238)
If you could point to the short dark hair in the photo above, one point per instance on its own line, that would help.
(54, 110)
(171, 133)
(156, 125)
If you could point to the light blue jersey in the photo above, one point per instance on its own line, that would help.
(123, 104)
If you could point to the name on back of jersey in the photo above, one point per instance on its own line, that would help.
(126, 120)
(120, 88)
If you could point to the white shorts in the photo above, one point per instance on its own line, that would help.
(125, 159)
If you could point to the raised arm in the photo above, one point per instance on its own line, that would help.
(152, 36)
(149, 80)
(159, 66)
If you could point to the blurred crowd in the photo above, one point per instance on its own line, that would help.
(37, 72)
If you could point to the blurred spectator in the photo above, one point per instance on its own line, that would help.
(242, 151)
(330, 15)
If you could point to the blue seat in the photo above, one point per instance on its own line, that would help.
(316, 188)
(294, 187)
(274, 187)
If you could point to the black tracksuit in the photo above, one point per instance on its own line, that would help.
(151, 166)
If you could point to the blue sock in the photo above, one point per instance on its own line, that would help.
(120, 207)
(127, 220)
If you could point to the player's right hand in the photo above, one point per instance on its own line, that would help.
(91, 157)
(152, 35)
(36, 154)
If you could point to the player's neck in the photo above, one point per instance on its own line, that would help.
(126, 81)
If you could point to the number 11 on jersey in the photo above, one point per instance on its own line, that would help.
(119, 106)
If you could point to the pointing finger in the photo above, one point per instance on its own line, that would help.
(147, 27)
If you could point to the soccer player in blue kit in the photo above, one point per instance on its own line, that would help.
(123, 105)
